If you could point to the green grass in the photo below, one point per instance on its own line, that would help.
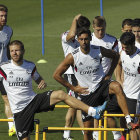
(25, 18)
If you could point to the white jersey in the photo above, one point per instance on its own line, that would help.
(119, 45)
(17, 81)
(137, 44)
(87, 68)
(68, 47)
(131, 67)
(5, 36)
(108, 42)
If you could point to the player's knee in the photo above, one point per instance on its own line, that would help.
(115, 87)
(61, 94)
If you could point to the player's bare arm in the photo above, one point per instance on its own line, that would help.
(119, 72)
(72, 32)
(114, 56)
(41, 83)
(60, 70)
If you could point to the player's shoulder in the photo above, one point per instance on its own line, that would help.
(8, 30)
(75, 51)
(95, 47)
(111, 37)
(6, 27)
(65, 33)
(3, 64)
(29, 62)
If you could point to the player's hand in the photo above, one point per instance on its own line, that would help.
(81, 90)
(77, 16)
(42, 85)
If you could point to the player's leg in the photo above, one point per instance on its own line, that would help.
(95, 133)
(69, 120)
(116, 89)
(131, 103)
(113, 108)
(61, 96)
(79, 118)
(8, 111)
(87, 133)
(71, 113)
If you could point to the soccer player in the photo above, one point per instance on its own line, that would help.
(17, 77)
(130, 63)
(136, 31)
(101, 38)
(69, 43)
(5, 36)
(94, 86)
(126, 27)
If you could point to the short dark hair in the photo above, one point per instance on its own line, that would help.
(136, 22)
(83, 30)
(127, 38)
(127, 21)
(3, 8)
(17, 42)
(83, 22)
(99, 21)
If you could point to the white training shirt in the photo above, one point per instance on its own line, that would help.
(131, 67)
(87, 68)
(5, 36)
(68, 47)
(120, 45)
(17, 81)
(108, 42)
(137, 44)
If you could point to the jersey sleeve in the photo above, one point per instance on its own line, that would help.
(2, 74)
(35, 74)
(64, 35)
(115, 46)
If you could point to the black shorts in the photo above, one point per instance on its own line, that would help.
(131, 103)
(2, 89)
(24, 120)
(113, 106)
(73, 81)
(95, 99)
(98, 97)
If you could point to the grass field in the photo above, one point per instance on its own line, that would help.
(25, 18)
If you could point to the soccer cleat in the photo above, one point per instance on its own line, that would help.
(132, 126)
(122, 138)
(12, 131)
(100, 110)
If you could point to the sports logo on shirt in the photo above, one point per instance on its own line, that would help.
(11, 74)
(80, 63)
(29, 71)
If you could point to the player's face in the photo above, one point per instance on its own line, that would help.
(3, 18)
(16, 53)
(99, 31)
(84, 41)
(127, 28)
(128, 49)
(136, 32)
